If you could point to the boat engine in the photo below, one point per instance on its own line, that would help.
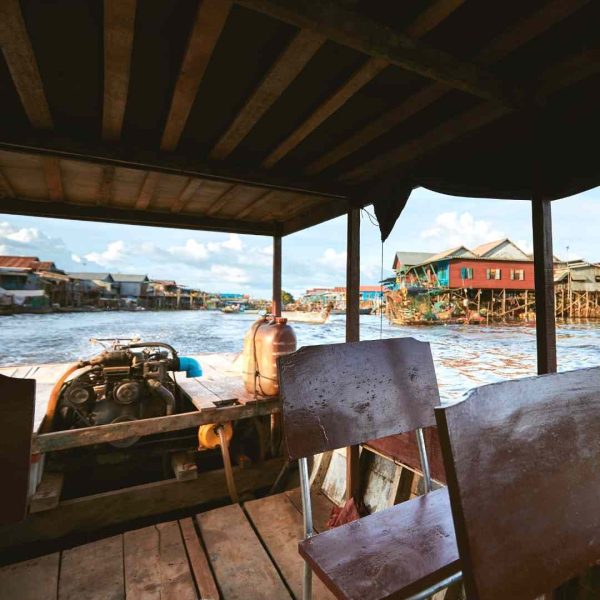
(124, 383)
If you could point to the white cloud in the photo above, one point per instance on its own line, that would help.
(228, 274)
(451, 229)
(114, 253)
(333, 259)
(192, 250)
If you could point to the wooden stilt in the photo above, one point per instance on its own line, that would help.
(544, 284)
(277, 275)
(353, 330)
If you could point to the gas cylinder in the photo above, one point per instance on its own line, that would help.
(267, 339)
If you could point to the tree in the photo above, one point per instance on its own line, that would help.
(286, 297)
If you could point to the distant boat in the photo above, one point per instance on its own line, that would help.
(231, 309)
(316, 318)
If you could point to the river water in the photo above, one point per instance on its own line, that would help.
(465, 356)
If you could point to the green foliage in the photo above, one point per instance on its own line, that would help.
(286, 297)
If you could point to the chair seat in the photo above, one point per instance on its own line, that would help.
(393, 553)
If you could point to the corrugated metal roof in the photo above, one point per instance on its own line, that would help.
(91, 276)
(24, 262)
(410, 259)
(483, 249)
(127, 278)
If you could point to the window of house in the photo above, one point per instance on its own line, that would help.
(517, 274)
(494, 273)
(466, 273)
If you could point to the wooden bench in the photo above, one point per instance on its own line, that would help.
(338, 395)
(523, 465)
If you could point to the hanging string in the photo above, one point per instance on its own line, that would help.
(381, 296)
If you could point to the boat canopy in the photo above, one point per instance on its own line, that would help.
(270, 116)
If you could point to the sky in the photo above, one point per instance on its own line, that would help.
(316, 257)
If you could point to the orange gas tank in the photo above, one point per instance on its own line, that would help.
(267, 339)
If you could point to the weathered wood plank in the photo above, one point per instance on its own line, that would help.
(35, 579)
(105, 189)
(6, 189)
(279, 525)
(425, 22)
(206, 30)
(74, 438)
(91, 513)
(187, 193)
(17, 401)
(147, 190)
(233, 547)
(22, 64)
(156, 565)
(349, 28)
(199, 561)
(321, 506)
(510, 40)
(281, 74)
(119, 25)
(252, 205)
(53, 177)
(47, 495)
(93, 571)
(198, 393)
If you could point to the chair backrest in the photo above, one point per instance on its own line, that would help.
(17, 403)
(522, 460)
(338, 395)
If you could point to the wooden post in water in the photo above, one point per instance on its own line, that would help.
(276, 309)
(545, 322)
(353, 330)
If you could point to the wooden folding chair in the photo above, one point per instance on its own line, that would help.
(522, 461)
(339, 395)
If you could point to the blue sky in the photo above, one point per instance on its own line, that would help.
(315, 257)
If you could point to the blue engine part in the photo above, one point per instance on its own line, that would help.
(191, 366)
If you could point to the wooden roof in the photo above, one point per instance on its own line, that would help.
(268, 116)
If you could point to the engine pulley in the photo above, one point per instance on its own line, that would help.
(127, 392)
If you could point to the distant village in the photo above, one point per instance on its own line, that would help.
(28, 284)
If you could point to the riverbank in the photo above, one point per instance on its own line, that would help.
(465, 356)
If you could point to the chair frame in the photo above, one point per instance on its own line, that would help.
(309, 528)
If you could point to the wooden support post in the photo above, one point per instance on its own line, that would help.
(545, 322)
(353, 330)
(277, 275)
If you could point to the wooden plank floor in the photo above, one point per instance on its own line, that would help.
(235, 552)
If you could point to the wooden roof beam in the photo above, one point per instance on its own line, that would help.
(147, 190)
(106, 187)
(53, 178)
(349, 28)
(78, 212)
(173, 163)
(188, 191)
(513, 38)
(6, 189)
(220, 202)
(207, 28)
(119, 26)
(248, 209)
(565, 73)
(22, 64)
(424, 23)
(286, 68)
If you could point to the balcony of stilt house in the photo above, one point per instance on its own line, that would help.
(267, 117)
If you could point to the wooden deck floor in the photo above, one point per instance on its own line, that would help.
(235, 552)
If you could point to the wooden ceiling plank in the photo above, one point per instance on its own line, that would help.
(286, 68)
(448, 131)
(147, 190)
(22, 64)
(248, 209)
(119, 26)
(53, 178)
(422, 25)
(188, 191)
(565, 73)
(79, 212)
(6, 189)
(513, 38)
(207, 28)
(106, 187)
(349, 28)
(431, 17)
(220, 202)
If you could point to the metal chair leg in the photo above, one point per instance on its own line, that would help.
(308, 524)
